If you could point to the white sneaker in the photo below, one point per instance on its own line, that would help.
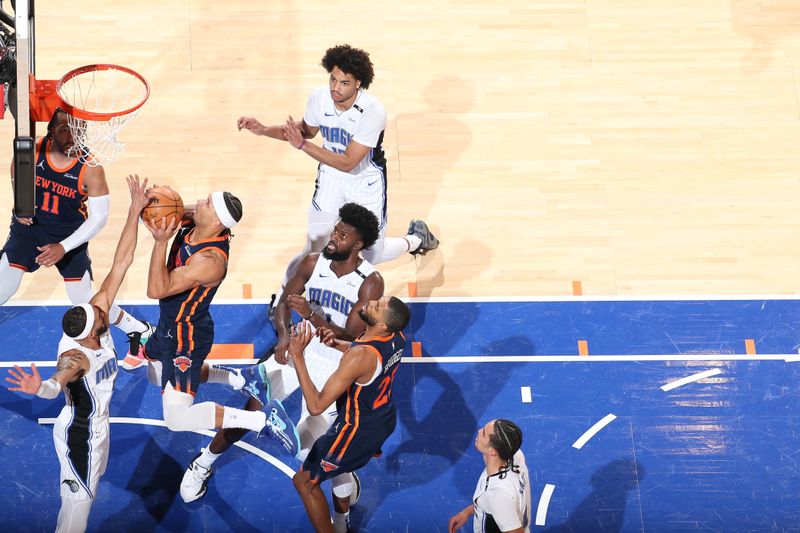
(195, 481)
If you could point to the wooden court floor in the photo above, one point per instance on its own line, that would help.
(636, 148)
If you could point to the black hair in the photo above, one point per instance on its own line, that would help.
(52, 124)
(363, 220)
(234, 206)
(397, 315)
(506, 439)
(74, 321)
(350, 60)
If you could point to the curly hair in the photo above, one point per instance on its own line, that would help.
(350, 60)
(363, 220)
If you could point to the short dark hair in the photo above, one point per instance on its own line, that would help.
(397, 315)
(363, 220)
(350, 60)
(52, 124)
(74, 321)
(234, 206)
(506, 438)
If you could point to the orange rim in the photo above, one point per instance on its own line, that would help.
(90, 115)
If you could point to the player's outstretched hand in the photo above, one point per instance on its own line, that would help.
(139, 199)
(292, 133)
(24, 382)
(327, 337)
(162, 231)
(250, 124)
(51, 254)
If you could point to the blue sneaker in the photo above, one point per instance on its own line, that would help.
(256, 383)
(280, 428)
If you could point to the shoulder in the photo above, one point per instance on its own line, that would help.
(71, 360)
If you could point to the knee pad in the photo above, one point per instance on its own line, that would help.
(154, 372)
(342, 485)
(10, 279)
(176, 407)
(80, 292)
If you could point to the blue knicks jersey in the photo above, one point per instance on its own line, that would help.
(60, 198)
(371, 404)
(191, 305)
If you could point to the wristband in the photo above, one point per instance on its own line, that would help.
(302, 144)
(310, 314)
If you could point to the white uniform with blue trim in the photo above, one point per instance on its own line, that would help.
(364, 122)
(333, 298)
(503, 504)
(81, 431)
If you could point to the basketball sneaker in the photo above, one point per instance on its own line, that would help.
(136, 341)
(421, 230)
(279, 427)
(356, 494)
(195, 481)
(256, 383)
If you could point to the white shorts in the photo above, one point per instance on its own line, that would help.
(82, 451)
(321, 362)
(334, 189)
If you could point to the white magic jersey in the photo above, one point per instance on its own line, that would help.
(81, 431)
(363, 123)
(334, 297)
(503, 504)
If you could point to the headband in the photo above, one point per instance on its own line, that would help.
(89, 322)
(223, 214)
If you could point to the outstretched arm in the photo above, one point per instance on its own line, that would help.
(123, 256)
(72, 365)
(255, 127)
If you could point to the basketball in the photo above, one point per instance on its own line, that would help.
(165, 202)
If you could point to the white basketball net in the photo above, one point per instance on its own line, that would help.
(101, 91)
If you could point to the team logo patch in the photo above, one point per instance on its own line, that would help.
(328, 467)
(182, 363)
(73, 485)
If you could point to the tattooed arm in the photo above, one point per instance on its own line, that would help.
(72, 365)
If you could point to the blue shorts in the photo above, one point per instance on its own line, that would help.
(182, 349)
(345, 449)
(20, 250)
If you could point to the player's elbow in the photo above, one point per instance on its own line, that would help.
(347, 166)
(154, 293)
(315, 410)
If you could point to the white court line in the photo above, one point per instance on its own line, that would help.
(790, 357)
(526, 394)
(690, 379)
(544, 503)
(283, 467)
(592, 431)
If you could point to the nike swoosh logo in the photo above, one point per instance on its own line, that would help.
(328, 114)
(373, 183)
(321, 275)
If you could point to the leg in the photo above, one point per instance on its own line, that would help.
(73, 515)
(320, 225)
(314, 500)
(10, 279)
(342, 487)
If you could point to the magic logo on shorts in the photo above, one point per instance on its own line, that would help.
(182, 363)
(328, 467)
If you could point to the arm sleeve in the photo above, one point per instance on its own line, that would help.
(98, 216)
(49, 389)
(371, 126)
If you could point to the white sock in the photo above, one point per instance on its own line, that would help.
(226, 377)
(340, 521)
(414, 242)
(394, 247)
(207, 458)
(239, 418)
(127, 323)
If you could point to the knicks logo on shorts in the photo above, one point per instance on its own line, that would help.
(182, 363)
(328, 467)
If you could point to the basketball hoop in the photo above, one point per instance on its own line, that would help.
(100, 100)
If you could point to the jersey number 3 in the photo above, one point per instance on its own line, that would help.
(386, 390)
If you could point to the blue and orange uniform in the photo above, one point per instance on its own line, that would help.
(367, 415)
(185, 329)
(60, 210)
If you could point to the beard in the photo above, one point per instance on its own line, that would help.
(335, 256)
(366, 318)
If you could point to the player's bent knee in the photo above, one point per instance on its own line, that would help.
(342, 485)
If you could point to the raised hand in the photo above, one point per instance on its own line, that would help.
(139, 199)
(301, 335)
(24, 382)
(161, 230)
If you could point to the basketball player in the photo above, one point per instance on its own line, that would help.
(338, 284)
(185, 281)
(72, 202)
(352, 166)
(86, 371)
(362, 388)
(502, 498)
